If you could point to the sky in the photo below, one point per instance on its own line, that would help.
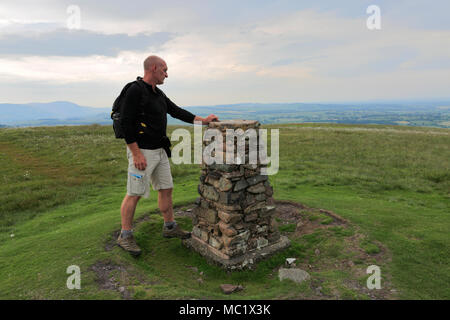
(225, 52)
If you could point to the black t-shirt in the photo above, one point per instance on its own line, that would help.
(149, 129)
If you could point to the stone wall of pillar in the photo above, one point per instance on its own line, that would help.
(234, 213)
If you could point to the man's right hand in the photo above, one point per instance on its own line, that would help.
(139, 161)
(138, 158)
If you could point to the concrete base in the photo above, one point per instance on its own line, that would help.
(247, 260)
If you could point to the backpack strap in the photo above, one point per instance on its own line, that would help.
(139, 81)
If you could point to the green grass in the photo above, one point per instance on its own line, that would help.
(62, 188)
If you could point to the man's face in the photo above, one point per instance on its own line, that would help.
(161, 72)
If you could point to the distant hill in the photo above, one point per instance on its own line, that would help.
(52, 113)
(435, 113)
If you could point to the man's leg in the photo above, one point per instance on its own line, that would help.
(170, 229)
(126, 239)
(165, 204)
(127, 210)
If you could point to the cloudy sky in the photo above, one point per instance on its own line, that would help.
(221, 52)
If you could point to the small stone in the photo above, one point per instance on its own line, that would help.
(294, 274)
(195, 269)
(230, 288)
(122, 289)
(319, 291)
(317, 252)
(290, 261)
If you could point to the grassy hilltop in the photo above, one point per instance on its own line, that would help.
(62, 188)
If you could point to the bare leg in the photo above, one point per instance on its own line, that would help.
(165, 204)
(127, 211)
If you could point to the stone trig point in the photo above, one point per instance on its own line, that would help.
(233, 220)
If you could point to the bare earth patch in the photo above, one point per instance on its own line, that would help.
(355, 259)
(110, 276)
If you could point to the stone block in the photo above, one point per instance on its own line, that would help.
(215, 243)
(251, 217)
(257, 188)
(227, 229)
(256, 179)
(230, 218)
(204, 236)
(266, 211)
(209, 215)
(269, 191)
(196, 231)
(255, 206)
(224, 184)
(240, 185)
(210, 193)
(261, 243)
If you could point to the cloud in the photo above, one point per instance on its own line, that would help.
(65, 42)
(60, 69)
(217, 55)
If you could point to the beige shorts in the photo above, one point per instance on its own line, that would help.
(157, 173)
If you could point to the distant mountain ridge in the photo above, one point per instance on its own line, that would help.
(29, 113)
(431, 113)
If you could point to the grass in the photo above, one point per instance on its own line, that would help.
(62, 188)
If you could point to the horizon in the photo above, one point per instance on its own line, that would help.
(377, 101)
(227, 52)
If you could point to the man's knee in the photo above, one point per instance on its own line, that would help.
(165, 192)
(134, 199)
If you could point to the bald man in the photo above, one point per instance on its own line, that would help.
(144, 121)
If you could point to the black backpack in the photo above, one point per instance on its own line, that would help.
(116, 113)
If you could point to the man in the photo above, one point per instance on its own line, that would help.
(147, 148)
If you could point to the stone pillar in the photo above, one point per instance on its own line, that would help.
(233, 220)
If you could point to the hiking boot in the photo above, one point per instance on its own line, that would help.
(175, 232)
(129, 244)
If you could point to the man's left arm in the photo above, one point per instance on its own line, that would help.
(184, 115)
